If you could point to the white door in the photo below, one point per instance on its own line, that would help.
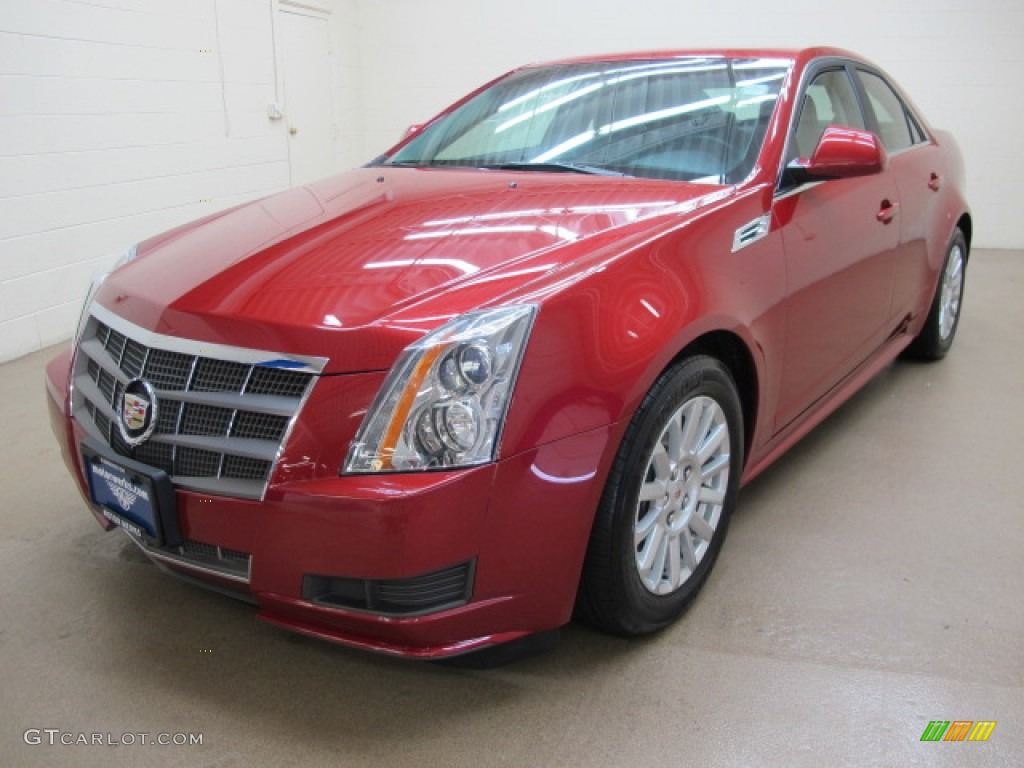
(308, 105)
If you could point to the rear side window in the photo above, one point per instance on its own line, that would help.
(896, 127)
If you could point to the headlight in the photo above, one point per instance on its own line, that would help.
(444, 401)
(83, 317)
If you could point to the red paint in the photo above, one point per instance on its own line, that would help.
(626, 272)
(844, 153)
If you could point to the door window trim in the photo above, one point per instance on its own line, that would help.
(811, 72)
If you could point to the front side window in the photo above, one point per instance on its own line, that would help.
(896, 128)
(829, 100)
(700, 119)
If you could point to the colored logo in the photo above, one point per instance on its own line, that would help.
(138, 411)
(135, 411)
(958, 730)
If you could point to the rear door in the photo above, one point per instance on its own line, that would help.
(918, 169)
(840, 239)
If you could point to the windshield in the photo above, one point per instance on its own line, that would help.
(698, 119)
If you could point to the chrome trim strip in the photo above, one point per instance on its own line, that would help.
(91, 392)
(253, 490)
(300, 363)
(84, 420)
(272, 405)
(183, 562)
(246, 447)
(911, 148)
(797, 190)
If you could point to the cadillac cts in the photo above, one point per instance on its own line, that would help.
(517, 367)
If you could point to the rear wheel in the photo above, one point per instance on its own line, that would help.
(666, 505)
(939, 329)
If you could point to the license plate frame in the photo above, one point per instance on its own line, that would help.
(132, 495)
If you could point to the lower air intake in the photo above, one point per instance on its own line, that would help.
(429, 593)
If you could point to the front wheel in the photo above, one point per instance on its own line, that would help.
(939, 329)
(666, 506)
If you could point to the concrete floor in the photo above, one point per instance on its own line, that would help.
(872, 581)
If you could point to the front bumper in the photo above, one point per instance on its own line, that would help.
(519, 528)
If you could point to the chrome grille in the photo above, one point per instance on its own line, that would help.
(168, 370)
(205, 419)
(259, 426)
(219, 376)
(223, 413)
(158, 455)
(276, 382)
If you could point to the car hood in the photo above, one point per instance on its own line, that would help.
(354, 267)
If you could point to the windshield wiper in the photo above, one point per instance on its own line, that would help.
(554, 168)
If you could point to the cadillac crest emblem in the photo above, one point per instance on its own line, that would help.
(137, 412)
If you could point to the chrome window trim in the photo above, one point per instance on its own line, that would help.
(911, 148)
(814, 68)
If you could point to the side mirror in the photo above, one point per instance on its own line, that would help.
(842, 153)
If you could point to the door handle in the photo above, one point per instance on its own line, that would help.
(934, 182)
(887, 211)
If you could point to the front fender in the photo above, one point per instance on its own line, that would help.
(599, 344)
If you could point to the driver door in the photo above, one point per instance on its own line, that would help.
(840, 238)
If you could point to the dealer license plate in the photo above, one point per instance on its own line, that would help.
(127, 493)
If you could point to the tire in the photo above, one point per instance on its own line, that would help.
(939, 329)
(648, 557)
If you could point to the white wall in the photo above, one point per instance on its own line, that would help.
(122, 118)
(347, 79)
(962, 61)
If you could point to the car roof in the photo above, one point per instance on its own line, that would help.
(792, 54)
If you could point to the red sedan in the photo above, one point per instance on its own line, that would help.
(518, 366)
